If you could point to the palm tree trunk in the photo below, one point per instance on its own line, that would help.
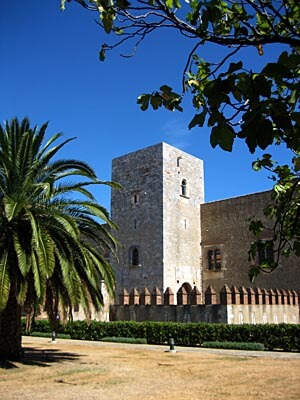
(10, 328)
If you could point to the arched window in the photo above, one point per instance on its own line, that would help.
(134, 257)
(183, 187)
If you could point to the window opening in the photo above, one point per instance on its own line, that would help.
(135, 257)
(218, 259)
(265, 252)
(214, 260)
(178, 161)
(183, 187)
(210, 257)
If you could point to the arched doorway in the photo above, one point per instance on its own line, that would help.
(184, 294)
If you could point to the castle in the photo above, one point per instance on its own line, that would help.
(186, 260)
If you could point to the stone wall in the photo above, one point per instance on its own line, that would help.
(237, 306)
(181, 218)
(158, 217)
(175, 234)
(137, 209)
(225, 226)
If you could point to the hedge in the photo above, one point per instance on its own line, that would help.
(273, 336)
(234, 345)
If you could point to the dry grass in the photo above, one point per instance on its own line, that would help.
(69, 370)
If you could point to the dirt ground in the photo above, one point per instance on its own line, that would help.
(71, 370)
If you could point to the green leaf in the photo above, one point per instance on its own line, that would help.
(265, 162)
(102, 54)
(173, 4)
(265, 133)
(296, 162)
(253, 272)
(198, 119)
(156, 102)
(143, 100)
(12, 207)
(22, 255)
(4, 279)
(256, 227)
(166, 89)
(234, 67)
(108, 17)
(222, 135)
(262, 86)
(62, 5)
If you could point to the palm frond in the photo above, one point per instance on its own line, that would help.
(23, 257)
(4, 279)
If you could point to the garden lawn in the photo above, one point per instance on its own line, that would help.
(71, 370)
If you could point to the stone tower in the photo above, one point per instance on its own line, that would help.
(158, 215)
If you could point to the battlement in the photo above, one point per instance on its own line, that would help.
(228, 296)
(236, 306)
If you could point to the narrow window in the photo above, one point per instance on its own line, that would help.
(218, 259)
(135, 197)
(265, 252)
(135, 257)
(210, 260)
(183, 187)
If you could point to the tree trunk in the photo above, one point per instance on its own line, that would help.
(10, 328)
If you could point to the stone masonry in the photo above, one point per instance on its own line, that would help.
(172, 240)
(158, 214)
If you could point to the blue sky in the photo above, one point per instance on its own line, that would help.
(49, 71)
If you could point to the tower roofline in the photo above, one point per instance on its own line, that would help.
(160, 144)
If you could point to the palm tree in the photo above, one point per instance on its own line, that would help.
(52, 231)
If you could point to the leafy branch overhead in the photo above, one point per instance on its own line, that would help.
(232, 96)
(228, 98)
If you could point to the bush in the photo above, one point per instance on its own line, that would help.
(124, 340)
(274, 337)
(234, 345)
(49, 335)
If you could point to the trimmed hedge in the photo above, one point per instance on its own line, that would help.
(48, 335)
(234, 345)
(274, 337)
(124, 340)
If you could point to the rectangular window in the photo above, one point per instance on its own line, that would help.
(218, 259)
(214, 260)
(265, 252)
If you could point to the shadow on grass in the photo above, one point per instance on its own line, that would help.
(39, 357)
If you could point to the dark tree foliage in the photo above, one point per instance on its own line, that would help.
(260, 107)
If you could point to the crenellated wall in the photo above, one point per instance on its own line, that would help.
(237, 305)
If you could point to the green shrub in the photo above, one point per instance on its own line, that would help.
(274, 337)
(124, 340)
(49, 335)
(234, 345)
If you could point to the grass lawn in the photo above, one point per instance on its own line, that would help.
(109, 371)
